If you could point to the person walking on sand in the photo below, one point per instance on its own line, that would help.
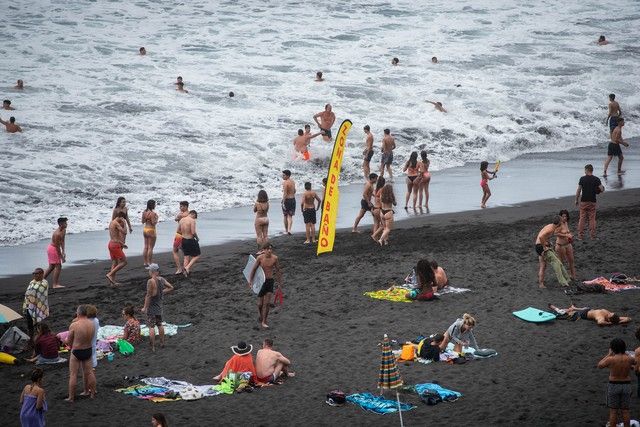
(368, 151)
(177, 239)
(35, 306)
(271, 266)
(377, 204)
(564, 243)
(11, 125)
(55, 252)
(327, 119)
(271, 365)
(288, 200)
(413, 179)
(388, 201)
(588, 186)
(365, 203)
(149, 221)
(261, 223)
(615, 112)
(614, 147)
(33, 401)
(117, 233)
(388, 145)
(425, 179)
(157, 286)
(546, 255)
(121, 206)
(308, 207)
(190, 245)
(79, 339)
(619, 387)
(485, 176)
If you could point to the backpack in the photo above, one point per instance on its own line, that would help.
(336, 398)
(430, 397)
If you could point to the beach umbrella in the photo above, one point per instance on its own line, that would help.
(389, 377)
(7, 315)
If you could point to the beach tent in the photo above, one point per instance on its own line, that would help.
(8, 315)
(389, 377)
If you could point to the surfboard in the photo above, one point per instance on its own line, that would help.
(534, 315)
(258, 278)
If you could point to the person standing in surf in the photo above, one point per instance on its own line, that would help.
(149, 221)
(190, 245)
(615, 112)
(301, 143)
(308, 207)
(55, 252)
(368, 151)
(327, 119)
(614, 147)
(117, 234)
(288, 200)
(388, 145)
(413, 179)
(261, 223)
(271, 267)
(485, 176)
(365, 203)
(177, 239)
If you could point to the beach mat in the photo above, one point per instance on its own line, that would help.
(377, 404)
(534, 315)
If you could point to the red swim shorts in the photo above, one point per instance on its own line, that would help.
(115, 251)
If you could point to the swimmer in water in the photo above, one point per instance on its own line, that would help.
(11, 125)
(319, 77)
(302, 141)
(181, 88)
(602, 41)
(6, 105)
(19, 84)
(231, 94)
(178, 80)
(142, 51)
(434, 59)
(438, 106)
(395, 61)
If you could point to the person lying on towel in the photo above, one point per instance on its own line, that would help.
(601, 316)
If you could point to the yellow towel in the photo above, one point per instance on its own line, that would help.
(395, 294)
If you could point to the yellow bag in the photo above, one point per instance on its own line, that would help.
(408, 353)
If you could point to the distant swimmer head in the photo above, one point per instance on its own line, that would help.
(180, 85)
(6, 103)
(612, 96)
(12, 119)
(602, 39)
(387, 132)
(142, 51)
(62, 222)
(557, 220)
(193, 214)
(434, 59)
(178, 79)
(324, 182)
(19, 84)
(286, 173)
(300, 132)
(319, 76)
(327, 107)
(307, 186)
(367, 128)
(434, 264)
(231, 94)
(395, 61)
(262, 196)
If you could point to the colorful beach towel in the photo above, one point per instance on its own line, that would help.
(161, 389)
(395, 294)
(36, 300)
(377, 403)
(610, 286)
(445, 394)
(112, 332)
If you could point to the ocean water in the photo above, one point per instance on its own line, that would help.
(101, 121)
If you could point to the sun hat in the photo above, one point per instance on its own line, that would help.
(242, 348)
(154, 267)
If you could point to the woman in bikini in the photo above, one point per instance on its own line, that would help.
(377, 220)
(261, 208)
(485, 176)
(413, 179)
(388, 201)
(33, 401)
(425, 179)
(149, 221)
(121, 206)
(564, 240)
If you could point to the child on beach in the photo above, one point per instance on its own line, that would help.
(485, 175)
(261, 208)
(619, 387)
(308, 207)
(132, 325)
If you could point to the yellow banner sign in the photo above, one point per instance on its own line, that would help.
(331, 193)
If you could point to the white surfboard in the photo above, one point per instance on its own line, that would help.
(258, 278)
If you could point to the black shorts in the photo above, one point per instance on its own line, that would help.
(309, 216)
(368, 156)
(154, 320)
(387, 158)
(267, 288)
(190, 247)
(613, 123)
(614, 150)
(364, 205)
(289, 206)
(327, 132)
(539, 249)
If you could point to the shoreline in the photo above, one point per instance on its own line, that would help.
(526, 179)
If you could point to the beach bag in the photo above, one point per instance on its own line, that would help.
(124, 347)
(14, 340)
(336, 398)
(408, 353)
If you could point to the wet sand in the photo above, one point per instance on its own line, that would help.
(544, 375)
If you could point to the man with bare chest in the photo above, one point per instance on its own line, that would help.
(302, 141)
(190, 241)
(368, 151)
(288, 200)
(309, 209)
(327, 119)
(365, 203)
(117, 234)
(271, 267)
(79, 339)
(546, 254)
(55, 252)
(388, 145)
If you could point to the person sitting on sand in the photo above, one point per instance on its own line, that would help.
(601, 316)
(460, 333)
(46, 347)
(438, 106)
(131, 326)
(602, 40)
(546, 255)
(619, 388)
(426, 282)
(240, 362)
(11, 125)
(319, 77)
(33, 401)
(327, 119)
(441, 279)
(271, 365)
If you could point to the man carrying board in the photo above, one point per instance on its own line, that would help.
(269, 263)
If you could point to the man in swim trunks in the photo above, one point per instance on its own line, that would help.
(614, 112)
(288, 200)
(327, 119)
(388, 145)
(177, 239)
(11, 125)
(601, 316)
(55, 252)
(270, 364)
(79, 339)
(190, 245)
(546, 254)
(302, 141)
(614, 147)
(365, 203)
(117, 234)
(6, 105)
(157, 286)
(619, 389)
(308, 207)
(270, 265)
(368, 151)
(588, 187)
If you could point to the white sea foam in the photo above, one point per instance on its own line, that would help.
(101, 121)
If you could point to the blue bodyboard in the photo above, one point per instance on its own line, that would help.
(534, 315)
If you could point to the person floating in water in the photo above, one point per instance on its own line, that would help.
(19, 84)
(438, 106)
(11, 125)
(6, 105)
(142, 51)
(602, 41)
(395, 61)
(319, 77)
(434, 59)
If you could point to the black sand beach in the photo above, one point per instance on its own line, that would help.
(544, 375)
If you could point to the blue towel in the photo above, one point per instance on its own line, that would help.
(377, 404)
(445, 394)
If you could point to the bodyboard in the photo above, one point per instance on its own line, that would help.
(258, 278)
(534, 315)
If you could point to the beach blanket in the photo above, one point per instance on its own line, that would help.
(445, 394)
(397, 294)
(161, 389)
(148, 392)
(111, 333)
(610, 286)
(376, 403)
(449, 355)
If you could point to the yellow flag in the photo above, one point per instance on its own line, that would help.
(331, 194)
